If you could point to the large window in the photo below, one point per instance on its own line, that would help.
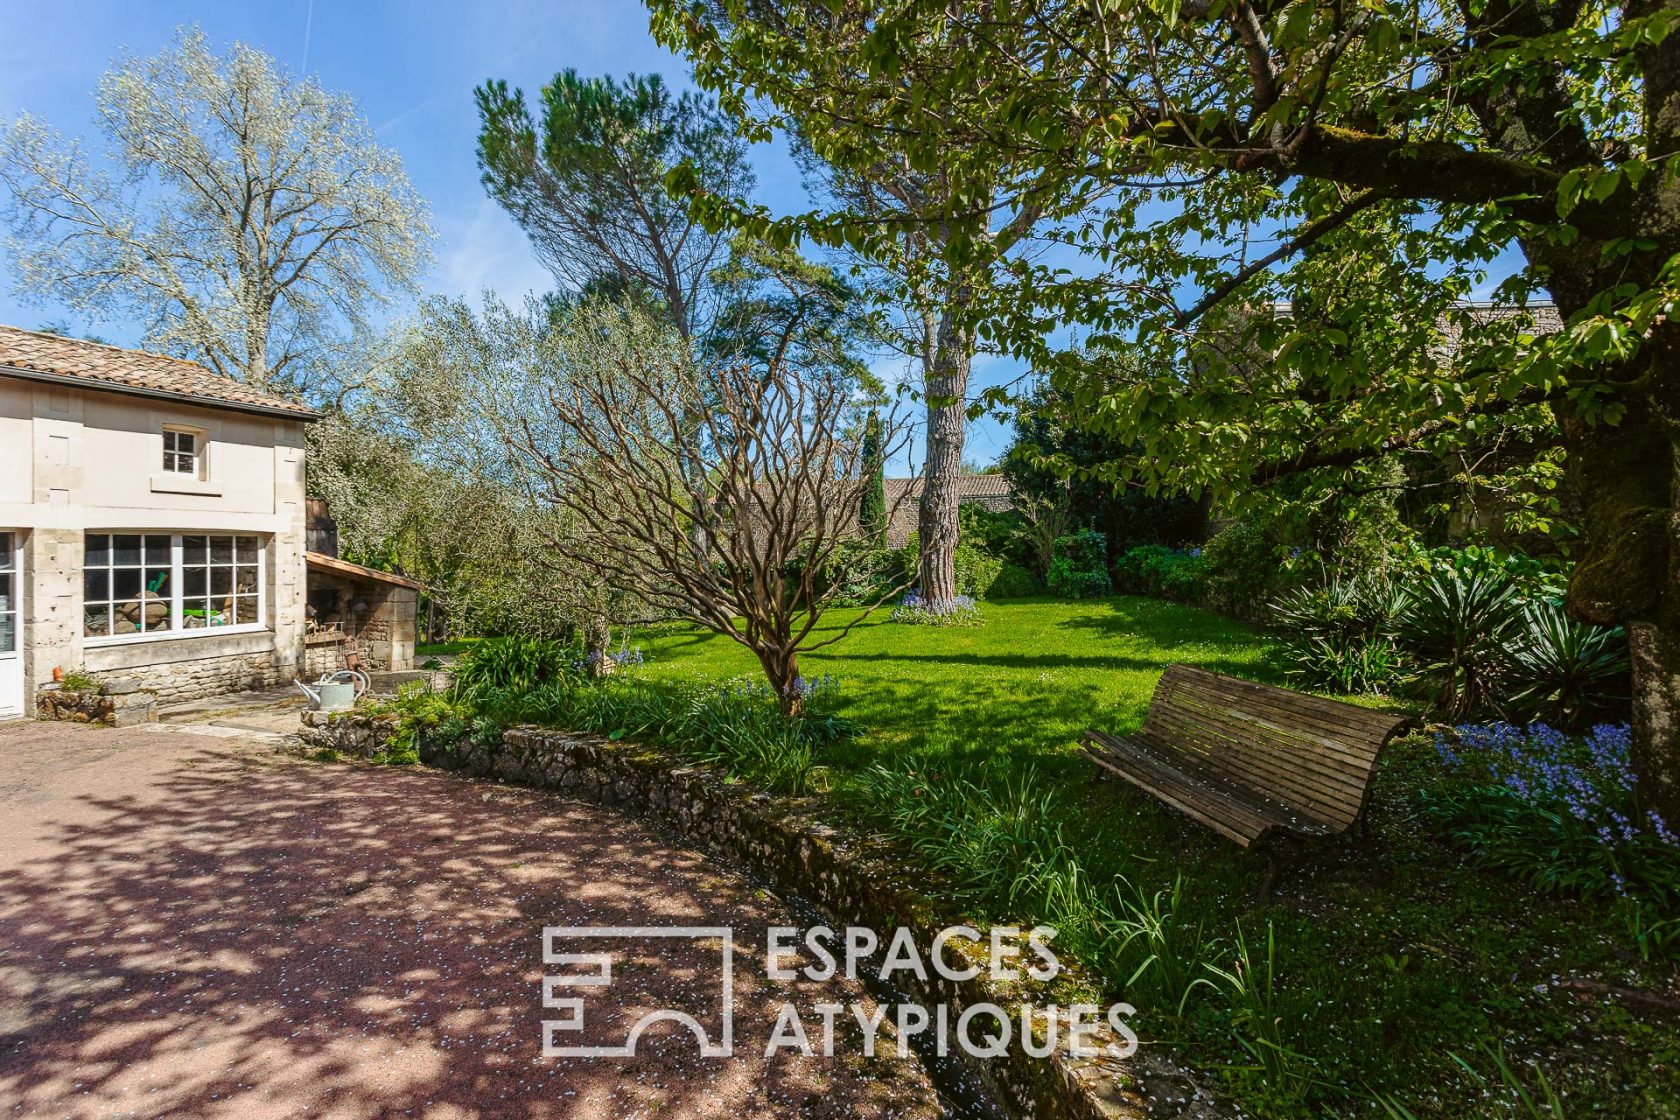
(151, 583)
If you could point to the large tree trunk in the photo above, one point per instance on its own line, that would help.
(936, 521)
(1628, 480)
(781, 669)
(1656, 718)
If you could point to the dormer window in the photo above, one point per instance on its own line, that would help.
(183, 452)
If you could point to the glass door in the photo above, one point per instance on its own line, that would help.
(11, 631)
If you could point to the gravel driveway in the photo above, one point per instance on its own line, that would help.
(194, 926)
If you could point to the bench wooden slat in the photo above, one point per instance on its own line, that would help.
(1326, 794)
(1247, 759)
(1228, 810)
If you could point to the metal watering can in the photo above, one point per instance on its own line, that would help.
(336, 692)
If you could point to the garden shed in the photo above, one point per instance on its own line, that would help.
(358, 613)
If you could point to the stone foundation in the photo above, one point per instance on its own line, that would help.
(208, 676)
(122, 703)
(851, 879)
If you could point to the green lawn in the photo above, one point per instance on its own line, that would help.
(1390, 958)
(1023, 685)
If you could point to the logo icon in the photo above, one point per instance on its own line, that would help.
(588, 971)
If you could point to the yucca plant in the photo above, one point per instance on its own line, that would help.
(1339, 636)
(1461, 625)
(1568, 672)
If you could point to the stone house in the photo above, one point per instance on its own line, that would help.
(152, 523)
(992, 491)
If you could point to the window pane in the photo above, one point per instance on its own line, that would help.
(126, 549)
(169, 461)
(97, 623)
(154, 614)
(192, 550)
(221, 581)
(157, 583)
(98, 550)
(8, 633)
(221, 550)
(125, 583)
(245, 609)
(245, 581)
(195, 582)
(128, 618)
(247, 550)
(96, 585)
(157, 550)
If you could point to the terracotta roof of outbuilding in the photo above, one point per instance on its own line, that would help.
(51, 357)
(968, 486)
(357, 571)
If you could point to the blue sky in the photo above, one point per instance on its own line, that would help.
(412, 67)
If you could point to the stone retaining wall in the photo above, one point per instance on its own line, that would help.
(850, 879)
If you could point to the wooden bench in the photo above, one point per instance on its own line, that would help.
(1252, 762)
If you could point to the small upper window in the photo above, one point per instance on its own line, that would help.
(182, 452)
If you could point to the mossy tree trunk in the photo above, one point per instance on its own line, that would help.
(1628, 572)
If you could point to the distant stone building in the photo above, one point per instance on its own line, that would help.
(992, 491)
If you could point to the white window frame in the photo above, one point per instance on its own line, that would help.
(200, 453)
(177, 596)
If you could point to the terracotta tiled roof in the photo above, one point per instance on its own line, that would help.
(356, 571)
(968, 486)
(54, 357)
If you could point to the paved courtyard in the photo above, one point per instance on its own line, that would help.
(195, 924)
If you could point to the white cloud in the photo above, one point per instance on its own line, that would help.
(486, 251)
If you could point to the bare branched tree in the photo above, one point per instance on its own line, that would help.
(781, 477)
(247, 218)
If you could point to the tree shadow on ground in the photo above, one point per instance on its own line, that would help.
(294, 939)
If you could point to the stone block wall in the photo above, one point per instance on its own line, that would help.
(206, 676)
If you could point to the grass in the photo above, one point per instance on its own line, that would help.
(445, 649)
(1350, 993)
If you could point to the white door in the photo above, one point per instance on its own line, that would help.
(11, 629)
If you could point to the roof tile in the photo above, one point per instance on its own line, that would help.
(121, 370)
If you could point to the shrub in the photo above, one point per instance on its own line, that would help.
(1243, 570)
(976, 568)
(1339, 636)
(1168, 573)
(1567, 672)
(1559, 811)
(1004, 534)
(1015, 582)
(1079, 569)
(422, 716)
(514, 663)
(863, 575)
